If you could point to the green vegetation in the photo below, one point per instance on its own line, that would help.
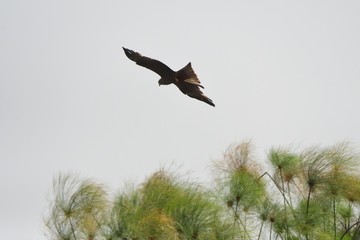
(308, 194)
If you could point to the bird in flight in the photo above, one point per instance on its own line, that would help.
(185, 79)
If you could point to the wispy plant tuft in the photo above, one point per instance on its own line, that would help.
(310, 194)
(77, 208)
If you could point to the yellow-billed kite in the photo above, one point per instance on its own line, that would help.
(185, 79)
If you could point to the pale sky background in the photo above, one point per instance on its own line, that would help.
(280, 73)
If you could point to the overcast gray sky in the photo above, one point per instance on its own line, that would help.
(280, 73)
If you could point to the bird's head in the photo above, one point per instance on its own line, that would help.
(163, 81)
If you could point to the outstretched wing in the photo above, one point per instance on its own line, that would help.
(193, 91)
(149, 63)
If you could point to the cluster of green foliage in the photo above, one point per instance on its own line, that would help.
(308, 194)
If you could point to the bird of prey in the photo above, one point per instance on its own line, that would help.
(185, 79)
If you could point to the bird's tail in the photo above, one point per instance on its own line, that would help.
(188, 75)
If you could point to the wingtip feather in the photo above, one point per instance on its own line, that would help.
(210, 102)
(132, 55)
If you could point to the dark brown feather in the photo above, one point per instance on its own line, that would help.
(187, 74)
(193, 91)
(149, 63)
